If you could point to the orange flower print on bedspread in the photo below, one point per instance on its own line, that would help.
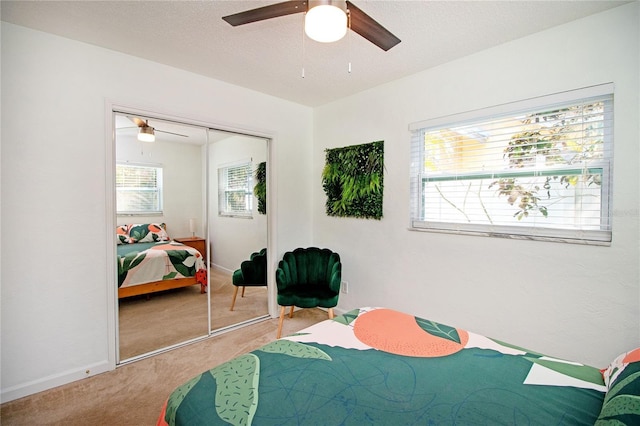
(402, 334)
(633, 356)
(165, 247)
(155, 228)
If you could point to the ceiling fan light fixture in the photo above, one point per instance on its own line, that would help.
(146, 134)
(326, 20)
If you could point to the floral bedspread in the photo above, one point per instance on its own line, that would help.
(142, 263)
(380, 366)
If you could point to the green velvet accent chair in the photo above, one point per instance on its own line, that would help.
(252, 273)
(308, 278)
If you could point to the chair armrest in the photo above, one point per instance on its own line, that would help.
(253, 272)
(237, 278)
(283, 279)
(335, 278)
(334, 272)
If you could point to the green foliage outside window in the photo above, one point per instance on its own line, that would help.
(556, 143)
(353, 180)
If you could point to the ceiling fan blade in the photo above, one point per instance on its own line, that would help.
(155, 130)
(370, 29)
(171, 133)
(267, 12)
(138, 121)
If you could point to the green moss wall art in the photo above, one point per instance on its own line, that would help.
(260, 189)
(353, 180)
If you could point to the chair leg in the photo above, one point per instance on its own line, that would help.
(233, 301)
(291, 312)
(280, 322)
(242, 295)
(330, 313)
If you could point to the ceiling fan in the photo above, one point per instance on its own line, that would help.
(148, 133)
(342, 15)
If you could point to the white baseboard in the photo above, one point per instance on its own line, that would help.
(336, 311)
(229, 271)
(55, 380)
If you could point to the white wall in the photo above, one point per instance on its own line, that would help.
(55, 306)
(583, 303)
(565, 300)
(183, 196)
(233, 239)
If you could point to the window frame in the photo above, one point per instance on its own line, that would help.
(159, 188)
(224, 190)
(602, 236)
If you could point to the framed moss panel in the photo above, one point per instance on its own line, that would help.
(352, 178)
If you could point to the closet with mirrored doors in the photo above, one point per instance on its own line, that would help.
(190, 207)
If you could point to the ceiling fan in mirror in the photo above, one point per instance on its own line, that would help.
(147, 133)
(325, 20)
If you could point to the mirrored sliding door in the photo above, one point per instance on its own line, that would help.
(237, 227)
(161, 216)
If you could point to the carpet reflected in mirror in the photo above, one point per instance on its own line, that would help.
(149, 323)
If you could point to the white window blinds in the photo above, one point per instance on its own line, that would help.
(138, 189)
(235, 197)
(540, 168)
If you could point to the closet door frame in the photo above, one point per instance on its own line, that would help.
(111, 292)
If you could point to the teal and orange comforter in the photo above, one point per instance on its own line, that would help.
(380, 366)
(142, 263)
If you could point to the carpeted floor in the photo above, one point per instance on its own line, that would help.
(134, 393)
(175, 316)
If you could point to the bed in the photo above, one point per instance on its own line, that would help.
(384, 367)
(149, 261)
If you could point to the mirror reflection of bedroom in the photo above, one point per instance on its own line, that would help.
(187, 216)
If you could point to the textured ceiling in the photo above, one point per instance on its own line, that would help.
(269, 56)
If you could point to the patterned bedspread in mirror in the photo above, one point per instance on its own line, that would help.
(144, 263)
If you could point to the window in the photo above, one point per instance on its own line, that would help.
(235, 197)
(539, 169)
(138, 189)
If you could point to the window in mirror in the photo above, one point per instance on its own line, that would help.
(138, 189)
(235, 196)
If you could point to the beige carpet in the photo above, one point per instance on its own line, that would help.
(147, 323)
(134, 393)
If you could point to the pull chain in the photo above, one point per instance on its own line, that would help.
(349, 38)
(303, 43)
